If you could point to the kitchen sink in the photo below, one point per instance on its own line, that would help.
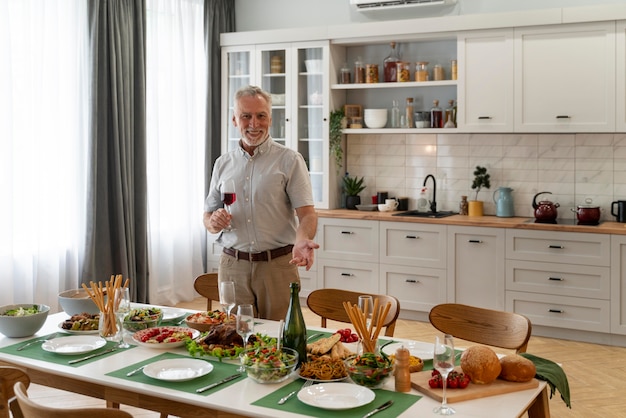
(417, 214)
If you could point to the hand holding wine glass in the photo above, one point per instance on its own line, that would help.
(121, 304)
(245, 325)
(227, 297)
(443, 362)
(228, 196)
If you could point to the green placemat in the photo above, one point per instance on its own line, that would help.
(220, 371)
(401, 402)
(35, 351)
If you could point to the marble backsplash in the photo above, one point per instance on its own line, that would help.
(574, 167)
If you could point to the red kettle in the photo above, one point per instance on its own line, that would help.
(545, 211)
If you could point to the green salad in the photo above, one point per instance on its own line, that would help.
(269, 364)
(22, 311)
(198, 347)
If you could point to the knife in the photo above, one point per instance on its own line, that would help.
(78, 360)
(380, 408)
(137, 370)
(224, 380)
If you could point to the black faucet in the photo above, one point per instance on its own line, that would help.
(433, 203)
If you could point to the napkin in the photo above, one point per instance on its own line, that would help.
(553, 374)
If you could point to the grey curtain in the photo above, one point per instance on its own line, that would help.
(219, 17)
(117, 232)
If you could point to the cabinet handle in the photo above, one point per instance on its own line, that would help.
(558, 279)
(484, 117)
(558, 247)
(555, 310)
(347, 274)
(475, 241)
(411, 281)
(563, 117)
(347, 232)
(412, 237)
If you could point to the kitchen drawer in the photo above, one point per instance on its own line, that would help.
(421, 245)
(347, 239)
(558, 279)
(348, 275)
(417, 289)
(561, 311)
(559, 247)
(308, 280)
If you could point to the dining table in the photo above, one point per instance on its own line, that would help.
(105, 377)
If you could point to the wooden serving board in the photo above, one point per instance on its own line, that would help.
(420, 382)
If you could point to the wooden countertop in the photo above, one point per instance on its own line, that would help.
(606, 227)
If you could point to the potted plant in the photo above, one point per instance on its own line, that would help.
(353, 186)
(481, 180)
(336, 126)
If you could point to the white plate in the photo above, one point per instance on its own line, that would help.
(137, 337)
(173, 314)
(336, 395)
(178, 370)
(74, 344)
(321, 380)
(416, 348)
(70, 331)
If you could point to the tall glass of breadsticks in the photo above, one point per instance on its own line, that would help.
(103, 295)
(368, 331)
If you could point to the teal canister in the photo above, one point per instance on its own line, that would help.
(504, 202)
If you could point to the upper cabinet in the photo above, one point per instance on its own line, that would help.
(486, 81)
(620, 79)
(565, 78)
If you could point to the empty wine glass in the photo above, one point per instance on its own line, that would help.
(228, 197)
(245, 325)
(227, 297)
(121, 304)
(443, 362)
(366, 305)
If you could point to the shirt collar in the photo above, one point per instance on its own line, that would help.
(260, 150)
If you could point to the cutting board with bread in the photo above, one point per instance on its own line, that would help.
(489, 374)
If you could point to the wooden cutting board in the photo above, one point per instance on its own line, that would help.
(420, 382)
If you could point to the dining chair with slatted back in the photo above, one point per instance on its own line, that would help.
(10, 375)
(33, 409)
(206, 285)
(328, 304)
(484, 326)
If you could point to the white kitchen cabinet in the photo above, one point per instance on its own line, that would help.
(618, 284)
(620, 79)
(565, 78)
(485, 81)
(476, 266)
(348, 240)
(356, 276)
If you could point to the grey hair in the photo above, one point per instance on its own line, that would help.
(251, 91)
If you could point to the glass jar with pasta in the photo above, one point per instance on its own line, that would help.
(403, 73)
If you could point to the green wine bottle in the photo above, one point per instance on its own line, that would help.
(294, 336)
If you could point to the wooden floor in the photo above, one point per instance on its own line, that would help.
(596, 373)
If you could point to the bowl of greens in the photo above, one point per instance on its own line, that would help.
(142, 318)
(369, 369)
(269, 364)
(22, 320)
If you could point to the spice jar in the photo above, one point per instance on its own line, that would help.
(463, 206)
(404, 72)
(438, 73)
(421, 71)
(359, 71)
(409, 112)
(344, 77)
(371, 73)
(454, 69)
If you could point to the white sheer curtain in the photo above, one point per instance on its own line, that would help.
(43, 125)
(176, 94)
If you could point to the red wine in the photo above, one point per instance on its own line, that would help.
(229, 198)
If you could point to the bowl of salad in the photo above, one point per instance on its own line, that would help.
(142, 318)
(369, 369)
(22, 320)
(269, 364)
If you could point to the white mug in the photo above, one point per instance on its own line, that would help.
(383, 207)
(392, 204)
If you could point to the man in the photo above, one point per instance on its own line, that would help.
(267, 243)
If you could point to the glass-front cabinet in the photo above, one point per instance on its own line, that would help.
(296, 75)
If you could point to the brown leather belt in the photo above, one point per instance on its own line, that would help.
(263, 256)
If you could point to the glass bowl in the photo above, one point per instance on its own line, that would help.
(369, 370)
(267, 365)
(142, 318)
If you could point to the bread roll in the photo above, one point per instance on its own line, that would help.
(481, 364)
(516, 368)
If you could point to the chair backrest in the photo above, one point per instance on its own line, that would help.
(34, 410)
(206, 285)
(328, 303)
(484, 326)
(9, 376)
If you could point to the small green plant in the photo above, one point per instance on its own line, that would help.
(353, 185)
(481, 179)
(336, 133)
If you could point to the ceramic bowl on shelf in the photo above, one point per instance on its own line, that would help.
(375, 118)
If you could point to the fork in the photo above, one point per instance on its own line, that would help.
(40, 340)
(286, 397)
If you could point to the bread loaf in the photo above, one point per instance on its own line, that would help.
(516, 368)
(481, 364)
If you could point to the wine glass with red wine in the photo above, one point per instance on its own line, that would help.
(227, 190)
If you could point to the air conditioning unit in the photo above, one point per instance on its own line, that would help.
(372, 5)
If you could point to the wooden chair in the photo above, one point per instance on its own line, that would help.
(206, 285)
(484, 326)
(9, 376)
(328, 303)
(34, 410)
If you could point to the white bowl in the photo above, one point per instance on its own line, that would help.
(313, 66)
(22, 326)
(375, 118)
(77, 301)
